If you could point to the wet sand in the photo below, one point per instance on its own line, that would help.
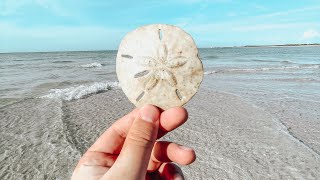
(44, 138)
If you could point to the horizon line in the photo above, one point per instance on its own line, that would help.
(272, 45)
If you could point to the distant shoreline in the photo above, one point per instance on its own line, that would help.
(282, 45)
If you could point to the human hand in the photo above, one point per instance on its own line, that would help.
(129, 150)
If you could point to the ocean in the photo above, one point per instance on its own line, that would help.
(293, 71)
(282, 81)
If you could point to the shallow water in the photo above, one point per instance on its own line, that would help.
(283, 82)
(33, 74)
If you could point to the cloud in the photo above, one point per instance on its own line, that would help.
(20, 38)
(269, 26)
(52, 32)
(289, 12)
(233, 26)
(11, 7)
(311, 34)
(53, 6)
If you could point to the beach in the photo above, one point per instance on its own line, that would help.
(255, 115)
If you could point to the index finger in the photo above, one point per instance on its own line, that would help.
(171, 119)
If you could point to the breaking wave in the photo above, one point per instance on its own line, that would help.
(295, 67)
(82, 91)
(209, 72)
(273, 61)
(91, 65)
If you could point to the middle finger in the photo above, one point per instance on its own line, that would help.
(164, 151)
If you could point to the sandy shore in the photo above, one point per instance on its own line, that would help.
(44, 138)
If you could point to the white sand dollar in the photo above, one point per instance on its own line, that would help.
(159, 64)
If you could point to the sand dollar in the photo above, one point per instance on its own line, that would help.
(159, 64)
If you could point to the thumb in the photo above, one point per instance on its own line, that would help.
(135, 154)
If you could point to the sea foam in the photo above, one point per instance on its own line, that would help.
(91, 65)
(209, 72)
(294, 67)
(78, 92)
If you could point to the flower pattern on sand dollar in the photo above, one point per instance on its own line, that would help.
(160, 67)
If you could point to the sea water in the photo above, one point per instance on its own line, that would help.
(41, 92)
(282, 81)
(293, 71)
(25, 75)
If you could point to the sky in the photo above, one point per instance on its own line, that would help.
(71, 25)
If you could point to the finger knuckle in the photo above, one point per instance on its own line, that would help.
(140, 138)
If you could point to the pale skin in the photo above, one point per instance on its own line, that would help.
(129, 148)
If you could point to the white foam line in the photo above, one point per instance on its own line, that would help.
(296, 67)
(91, 65)
(81, 91)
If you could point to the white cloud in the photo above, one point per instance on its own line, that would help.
(233, 26)
(19, 38)
(53, 6)
(52, 32)
(289, 12)
(10, 7)
(268, 26)
(311, 34)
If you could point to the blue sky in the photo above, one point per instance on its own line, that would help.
(55, 25)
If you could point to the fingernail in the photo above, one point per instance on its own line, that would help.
(185, 148)
(149, 113)
(178, 177)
